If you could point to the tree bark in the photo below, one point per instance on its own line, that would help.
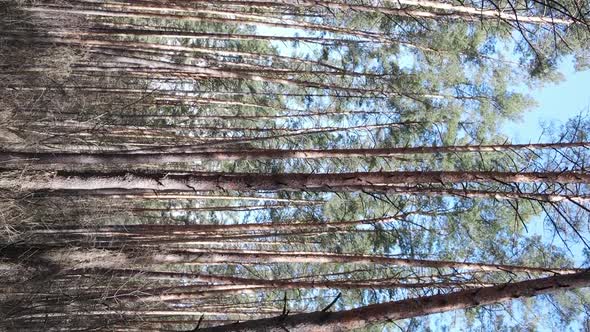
(321, 321)
(190, 156)
(329, 182)
(77, 258)
(433, 9)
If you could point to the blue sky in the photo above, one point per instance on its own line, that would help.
(556, 103)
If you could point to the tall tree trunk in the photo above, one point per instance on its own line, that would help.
(329, 182)
(67, 259)
(322, 321)
(190, 156)
(431, 9)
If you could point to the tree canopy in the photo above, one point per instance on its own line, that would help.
(254, 165)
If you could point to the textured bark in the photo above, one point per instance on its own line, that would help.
(77, 258)
(410, 8)
(431, 9)
(360, 317)
(337, 182)
(190, 156)
(246, 256)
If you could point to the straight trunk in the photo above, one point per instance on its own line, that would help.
(323, 321)
(329, 182)
(68, 259)
(432, 9)
(190, 156)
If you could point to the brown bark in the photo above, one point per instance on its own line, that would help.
(360, 317)
(428, 9)
(329, 182)
(74, 258)
(190, 156)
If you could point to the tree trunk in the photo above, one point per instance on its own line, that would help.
(433, 9)
(329, 182)
(77, 258)
(321, 321)
(190, 156)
